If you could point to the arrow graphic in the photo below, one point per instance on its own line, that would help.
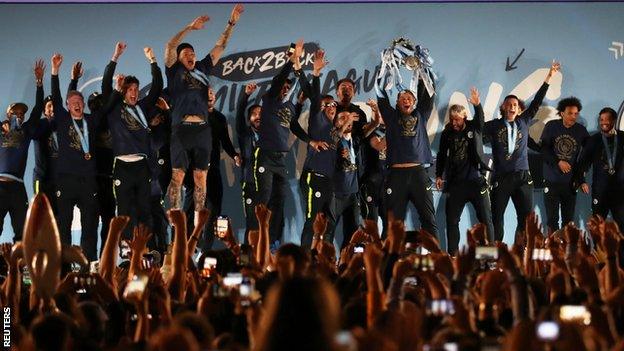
(617, 48)
(509, 67)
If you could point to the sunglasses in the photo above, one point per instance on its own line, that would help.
(329, 104)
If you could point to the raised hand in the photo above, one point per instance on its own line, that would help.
(372, 258)
(464, 261)
(429, 241)
(319, 226)
(77, 70)
(475, 99)
(373, 105)
(319, 61)
(236, 13)
(571, 234)
(554, 68)
(478, 232)
(149, 53)
(39, 69)
(198, 23)
(371, 228)
(120, 47)
(119, 81)
(141, 236)
(250, 88)
(298, 51)
(263, 214)
(57, 60)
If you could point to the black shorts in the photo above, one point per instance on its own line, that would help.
(191, 143)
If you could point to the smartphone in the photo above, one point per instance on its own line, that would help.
(136, 286)
(441, 307)
(541, 255)
(124, 250)
(221, 227)
(575, 313)
(210, 264)
(232, 280)
(291, 49)
(245, 255)
(245, 290)
(547, 331)
(486, 253)
(26, 276)
(358, 248)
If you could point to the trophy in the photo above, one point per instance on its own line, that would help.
(404, 54)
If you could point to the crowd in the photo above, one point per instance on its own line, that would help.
(380, 288)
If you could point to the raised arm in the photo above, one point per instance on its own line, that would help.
(242, 128)
(278, 81)
(479, 116)
(57, 100)
(171, 55)
(179, 253)
(31, 125)
(157, 79)
(370, 127)
(530, 112)
(76, 72)
(217, 50)
(109, 71)
(425, 102)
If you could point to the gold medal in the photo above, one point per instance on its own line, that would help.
(87, 156)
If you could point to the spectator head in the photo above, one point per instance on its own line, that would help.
(292, 261)
(174, 338)
(299, 311)
(198, 326)
(52, 332)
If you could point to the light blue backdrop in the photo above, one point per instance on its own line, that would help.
(469, 42)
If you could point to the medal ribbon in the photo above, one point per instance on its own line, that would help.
(84, 135)
(200, 76)
(140, 118)
(610, 156)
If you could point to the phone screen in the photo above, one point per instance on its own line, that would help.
(548, 331)
(222, 226)
(210, 264)
(486, 253)
(575, 313)
(136, 285)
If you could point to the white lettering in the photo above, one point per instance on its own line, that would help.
(268, 56)
(249, 65)
(227, 67)
(279, 59)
